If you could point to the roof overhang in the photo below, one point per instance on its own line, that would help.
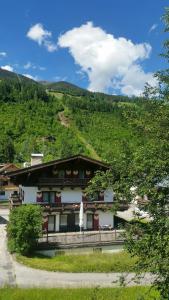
(58, 162)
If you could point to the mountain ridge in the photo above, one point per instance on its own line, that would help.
(61, 87)
(5, 74)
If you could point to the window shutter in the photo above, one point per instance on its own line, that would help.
(39, 197)
(84, 198)
(45, 223)
(58, 197)
(101, 196)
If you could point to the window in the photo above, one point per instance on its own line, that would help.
(51, 223)
(2, 193)
(81, 174)
(61, 173)
(93, 197)
(76, 219)
(89, 221)
(48, 197)
(63, 220)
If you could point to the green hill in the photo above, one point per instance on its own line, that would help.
(65, 87)
(94, 124)
(17, 88)
(73, 90)
(4, 74)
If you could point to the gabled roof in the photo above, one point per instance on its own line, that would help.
(58, 162)
(8, 167)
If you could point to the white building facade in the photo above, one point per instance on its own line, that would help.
(59, 187)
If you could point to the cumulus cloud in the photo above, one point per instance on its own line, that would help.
(31, 77)
(3, 54)
(38, 34)
(7, 68)
(134, 81)
(109, 62)
(153, 27)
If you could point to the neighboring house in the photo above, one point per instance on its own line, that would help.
(59, 187)
(6, 186)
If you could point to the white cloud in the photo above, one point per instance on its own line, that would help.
(134, 81)
(51, 47)
(31, 77)
(3, 54)
(30, 65)
(59, 78)
(7, 68)
(109, 62)
(41, 68)
(42, 36)
(38, 34)
(153, 27)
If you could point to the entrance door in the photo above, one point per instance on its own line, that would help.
(71, 222)
(96, 222)
(89, 221)
(51, 223)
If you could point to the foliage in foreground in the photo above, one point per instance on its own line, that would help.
(24, 228)
(94, 262)
(130, 293)
(147, 171)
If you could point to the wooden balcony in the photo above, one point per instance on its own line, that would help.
(94, 205)
(61, 182)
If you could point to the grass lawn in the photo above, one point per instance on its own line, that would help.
(94, 262)
(4, 203)
(132, 293)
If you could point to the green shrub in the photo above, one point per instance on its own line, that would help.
(24, 228)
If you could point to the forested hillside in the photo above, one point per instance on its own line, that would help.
(32, 120)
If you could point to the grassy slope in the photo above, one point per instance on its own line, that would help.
(131, 293)
(101, 135)
(69, 123)
(128, 125)
(97, 262)
(30, 124)
(4, 203)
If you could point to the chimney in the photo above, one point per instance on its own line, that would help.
(36, 158)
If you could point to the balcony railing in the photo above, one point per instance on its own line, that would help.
(87, 205)
(63, 181)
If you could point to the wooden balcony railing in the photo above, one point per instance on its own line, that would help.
(63, 181)
(87, 205)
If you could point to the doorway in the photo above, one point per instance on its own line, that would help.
(51, 223)
(71, 222)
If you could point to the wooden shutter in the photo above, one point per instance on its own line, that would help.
(58, 197)
(39, 197)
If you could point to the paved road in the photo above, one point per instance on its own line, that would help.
(7, 273)
(13, 273)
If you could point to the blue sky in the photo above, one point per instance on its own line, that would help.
(104, 45)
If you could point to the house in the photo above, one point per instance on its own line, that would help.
(59, 187)
(6, 186)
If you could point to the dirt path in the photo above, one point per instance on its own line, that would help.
(64, 120)
(67, 123)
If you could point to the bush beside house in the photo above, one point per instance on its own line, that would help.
(24, 229)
